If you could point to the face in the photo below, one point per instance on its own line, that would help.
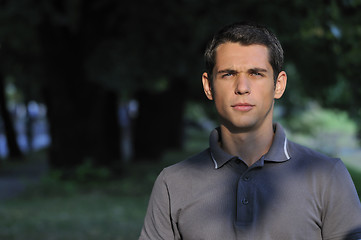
(243, 86)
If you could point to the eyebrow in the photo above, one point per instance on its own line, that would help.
(256, 69)
(227, 71)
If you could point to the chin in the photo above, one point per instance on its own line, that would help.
(240, 127)
(243, 128)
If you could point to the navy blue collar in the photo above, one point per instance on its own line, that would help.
(277, 153)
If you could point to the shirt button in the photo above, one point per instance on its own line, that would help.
(244, 201)
(246, 179)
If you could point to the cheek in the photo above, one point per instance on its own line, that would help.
(221, 91)
(268, 91)
(219, 102)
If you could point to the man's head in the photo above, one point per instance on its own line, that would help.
(246, 34)
(244, 76)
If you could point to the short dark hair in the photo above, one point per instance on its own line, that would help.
(246, 34)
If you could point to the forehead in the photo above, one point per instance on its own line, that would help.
(228, 55)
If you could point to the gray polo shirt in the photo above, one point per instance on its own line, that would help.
(292, 192)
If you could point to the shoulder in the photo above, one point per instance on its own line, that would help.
(332, 190)
(198, 164)
(312, 162)
(327, 174)
(300, 152)
(199, 161)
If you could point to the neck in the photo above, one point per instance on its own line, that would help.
(250, 146)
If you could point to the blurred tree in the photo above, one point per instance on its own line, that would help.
(57, 36)
(14, 150)
(82, 114)
(323, 52)
(93, 51)
(347, 29)
(6, 57)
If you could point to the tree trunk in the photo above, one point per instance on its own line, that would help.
(82, 114)
(13, 147)
(159, 125)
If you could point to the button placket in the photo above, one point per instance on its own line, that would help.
(244, 198)
(244, 201)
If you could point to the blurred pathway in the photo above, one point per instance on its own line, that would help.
(15, 179)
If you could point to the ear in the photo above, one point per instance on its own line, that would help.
(207, 86)
(281, 83)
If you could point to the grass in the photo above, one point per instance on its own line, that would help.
(107, 210)
(82, 216)
(65, 210)
(57, 210)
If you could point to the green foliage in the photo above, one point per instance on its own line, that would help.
(132, 46)
(200, 112)
(89, 172)
(328, 131)
(68, 183)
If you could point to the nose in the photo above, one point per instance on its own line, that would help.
(242, 85)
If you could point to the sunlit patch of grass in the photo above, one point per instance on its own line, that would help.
(89, 215)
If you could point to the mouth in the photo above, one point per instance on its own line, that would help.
(243, 107)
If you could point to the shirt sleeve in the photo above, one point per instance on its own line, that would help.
(157, 222)
(342, 212)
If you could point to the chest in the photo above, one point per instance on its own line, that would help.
(250, 205)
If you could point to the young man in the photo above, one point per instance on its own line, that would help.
(251, 183)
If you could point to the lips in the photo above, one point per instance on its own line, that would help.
(243, 107)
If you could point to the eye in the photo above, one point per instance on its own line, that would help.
(227, 75)
(256, 74)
